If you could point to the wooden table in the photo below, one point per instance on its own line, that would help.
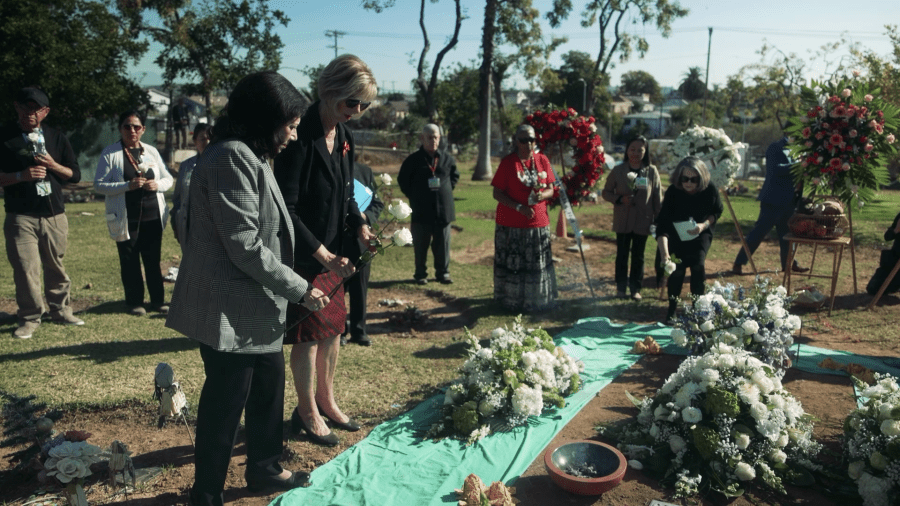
(838, 252)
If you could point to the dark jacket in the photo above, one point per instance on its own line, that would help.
(363, 174)
(679, 206)
(22, 198)
(779, 187)
(429, 206)
(319, 201)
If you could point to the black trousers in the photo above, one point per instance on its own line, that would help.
(146, 247)
(235, 382)
(693, 256)
(358, 287)
(635, 245)
(438, 237)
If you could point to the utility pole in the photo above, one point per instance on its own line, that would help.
(706, 85)
(338, 33)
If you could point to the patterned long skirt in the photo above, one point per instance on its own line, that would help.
(322, 324)
(524, 276)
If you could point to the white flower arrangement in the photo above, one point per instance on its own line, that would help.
(501, 386)
(711, 426)
(755, 319)
(871, 442)
(714, 147)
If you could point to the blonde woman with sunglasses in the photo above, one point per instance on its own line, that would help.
(685, 225)
(315, 174)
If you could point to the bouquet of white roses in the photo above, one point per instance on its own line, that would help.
(70, 462)
(755, 319)
(715, 148)
(502, 385)
(872, 442)
(722, 420)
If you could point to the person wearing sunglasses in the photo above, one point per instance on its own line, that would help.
(685, 225)
(315, 175)
(524, 277)
(132, 177)
(635, 190)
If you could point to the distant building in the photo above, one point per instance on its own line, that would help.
(399, 109)
(620, 105)
(657, 121)
(159, 101)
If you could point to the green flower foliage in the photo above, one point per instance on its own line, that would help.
(706, 440)
(465, 417)
(721, 401)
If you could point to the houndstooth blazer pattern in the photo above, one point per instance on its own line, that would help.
(236, 276)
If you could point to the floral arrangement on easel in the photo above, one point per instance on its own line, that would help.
(844, 140)
(580, 133)
(711, 145)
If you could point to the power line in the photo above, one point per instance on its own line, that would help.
(335, 34)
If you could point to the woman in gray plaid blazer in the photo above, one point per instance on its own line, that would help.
(234, 284)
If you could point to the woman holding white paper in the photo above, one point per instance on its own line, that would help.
(684, 227)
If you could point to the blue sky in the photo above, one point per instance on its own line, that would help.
(740, 28)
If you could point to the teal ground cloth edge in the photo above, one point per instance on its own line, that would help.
(394, 466)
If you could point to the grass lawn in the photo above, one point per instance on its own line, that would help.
(110, 360)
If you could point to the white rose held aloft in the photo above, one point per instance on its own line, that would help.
(401, 210)
(402, 237)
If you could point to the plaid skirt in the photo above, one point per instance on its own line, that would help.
(322, 324)
(524, 276)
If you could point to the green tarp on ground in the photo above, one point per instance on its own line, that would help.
(394, 466)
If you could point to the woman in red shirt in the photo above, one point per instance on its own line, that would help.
(524, 278)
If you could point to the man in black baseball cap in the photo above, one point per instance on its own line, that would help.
(35, 162)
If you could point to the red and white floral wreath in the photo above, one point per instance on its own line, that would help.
(580, 133)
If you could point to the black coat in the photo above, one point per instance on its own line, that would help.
(429, 206)
(679, 206)
(319, 201)
(22, 198)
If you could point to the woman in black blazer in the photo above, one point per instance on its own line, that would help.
(315, 175)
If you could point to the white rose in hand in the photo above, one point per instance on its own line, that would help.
(34, 137)
(402, 237)
(669, 267)
(386, 179)
(400, 210)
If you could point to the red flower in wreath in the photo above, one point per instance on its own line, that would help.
(346, 148)
(567, 130)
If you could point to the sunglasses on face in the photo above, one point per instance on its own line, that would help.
(136, 128)
(527, 140)
(686, 179)
(352, 103)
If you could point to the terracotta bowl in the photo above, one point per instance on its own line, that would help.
(608, 463)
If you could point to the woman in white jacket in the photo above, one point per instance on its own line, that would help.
(132, 177)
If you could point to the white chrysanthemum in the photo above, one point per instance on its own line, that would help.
(744, 471)
(527, 401)
(777, 401)
(763, 381)
(770, 428)
(748, 392)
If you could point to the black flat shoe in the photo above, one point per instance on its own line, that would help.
(350, 426)
(274, 483)
(297, 425)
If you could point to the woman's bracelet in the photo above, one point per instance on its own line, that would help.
(519, 208)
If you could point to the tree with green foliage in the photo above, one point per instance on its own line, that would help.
(211, 43)
(693, 86)
(615, 40)
(76, 51)
(426, 80)
(576, 78)
(637, 82)
(456, 99)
